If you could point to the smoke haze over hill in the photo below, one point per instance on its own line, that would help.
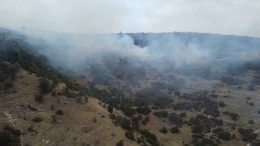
(240, 17)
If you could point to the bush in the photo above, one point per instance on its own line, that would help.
(8, 85)
(45, 86)
(233, 116)
(38, 98)
(183, 115)
(251, 121)
(251, 104)
(54, 118)
(129, 112)
(110, 109)
(161, 114)
(130, 135)
(247, 134)
(124, 123)
(143, 110)
(175, 130)
(224, 136)
(135, 123)
(37, 119)
(145, 120)
(150, 137)
(60, 112)
(120, 143)
(5, 138)
(251, 87)
(164, 130)
(32, 108)
(221, 104)
(12, 130)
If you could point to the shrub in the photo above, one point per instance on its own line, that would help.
(54, 118)
(5, 138)
(37, 119)
(251, 104)
(129, 112)
(145, 120)
(143, 110)
(135, 123)
(52, 107)
(221, 104)
(183, 115)
(45, 86)
(110, 109)
(224, 136)
(60, 112)
(8, 85)
(150, 137)
(130, 135)
(161, 114)
(95, 120)
(164, 130)
(38, 98)
(251, 87)
(247, 134)
(124, 123)
(12, 130)
(251, 121)
(32, 108)
(175, 130)
(120, 143)
(233, 116)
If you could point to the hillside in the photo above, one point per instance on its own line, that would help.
(127, 101)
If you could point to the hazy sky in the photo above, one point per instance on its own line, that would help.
(241, 17)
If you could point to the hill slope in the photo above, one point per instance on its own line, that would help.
(127, 104)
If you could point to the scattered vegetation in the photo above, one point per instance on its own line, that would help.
(233, 116)
(247, 134)
(149, 137)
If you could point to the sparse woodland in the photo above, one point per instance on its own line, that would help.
(157, 113)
